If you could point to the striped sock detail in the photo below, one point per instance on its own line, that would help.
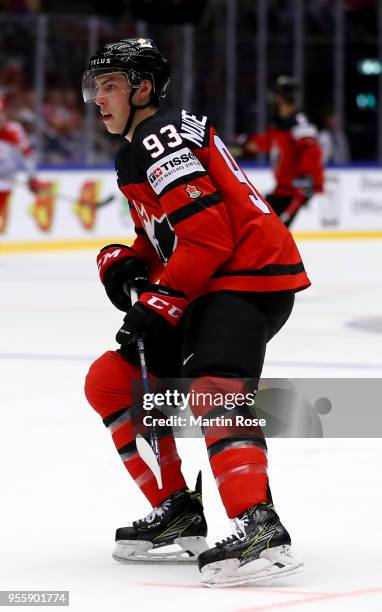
(116, 420)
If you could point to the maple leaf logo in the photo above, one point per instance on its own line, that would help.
(192, 191)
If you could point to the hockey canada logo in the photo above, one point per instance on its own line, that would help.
(192, 191)
(159, 232)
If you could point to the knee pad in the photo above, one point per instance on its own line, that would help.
(108, 383)
(108, 388)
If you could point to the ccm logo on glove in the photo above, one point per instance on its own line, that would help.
(119, 270)
(160, 304)
(109, 255)
(171, 307)
(103, 259)
(150, 310)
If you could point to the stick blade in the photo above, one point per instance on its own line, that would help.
(147, 455)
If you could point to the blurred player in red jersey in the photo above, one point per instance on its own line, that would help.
(15, 154)
(295, 152)
(216, 271)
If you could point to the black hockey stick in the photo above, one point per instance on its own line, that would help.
(73, 200)
(149, 452)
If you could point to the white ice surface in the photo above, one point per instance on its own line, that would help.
(64, 490)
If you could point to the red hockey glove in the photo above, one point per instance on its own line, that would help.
(155, 305)
(168, 303)
(304, 184)
(119, 270)
(34, 184)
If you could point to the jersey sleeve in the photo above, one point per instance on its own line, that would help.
(144, 249)
(194, 208)
(263, 141)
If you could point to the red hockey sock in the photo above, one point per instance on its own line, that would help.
(108, 388)
(237, 455)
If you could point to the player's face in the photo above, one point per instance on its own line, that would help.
(277, 101)
(113, 100)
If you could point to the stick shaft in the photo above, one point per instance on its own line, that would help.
(73, 200)
(153, 432)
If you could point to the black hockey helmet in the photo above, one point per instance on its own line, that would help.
(287, 87)
(137, 58)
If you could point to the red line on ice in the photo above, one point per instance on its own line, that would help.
(306, 600)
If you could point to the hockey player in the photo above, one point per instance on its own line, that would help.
(216, 271)
(295, 152)
(15, 154)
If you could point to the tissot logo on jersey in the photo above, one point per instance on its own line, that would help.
(178, 164)
(171, 163)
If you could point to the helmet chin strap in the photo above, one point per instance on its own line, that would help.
(133, 110)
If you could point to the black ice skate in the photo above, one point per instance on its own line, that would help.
(177, 523)
(259, 550)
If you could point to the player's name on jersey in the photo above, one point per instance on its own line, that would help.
(192, 128)
(202, 421)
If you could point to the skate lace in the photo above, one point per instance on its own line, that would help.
(156, 511)
(239, 533)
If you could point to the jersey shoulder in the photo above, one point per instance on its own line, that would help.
(172, 129)
(163, 148)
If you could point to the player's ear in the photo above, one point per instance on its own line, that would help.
(145, 89)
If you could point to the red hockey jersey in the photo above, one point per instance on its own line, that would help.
(201, 225)
(295, 151)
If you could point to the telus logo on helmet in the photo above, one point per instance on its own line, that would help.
(96, 62)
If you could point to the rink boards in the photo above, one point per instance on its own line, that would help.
(351, 206)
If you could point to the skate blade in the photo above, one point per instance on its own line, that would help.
(273, 564)
(184, 550)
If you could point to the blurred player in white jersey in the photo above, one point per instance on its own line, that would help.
(16, 155)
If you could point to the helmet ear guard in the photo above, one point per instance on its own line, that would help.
(134, 77)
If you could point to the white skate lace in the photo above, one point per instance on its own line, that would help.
(238, 526)
(156, 511)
